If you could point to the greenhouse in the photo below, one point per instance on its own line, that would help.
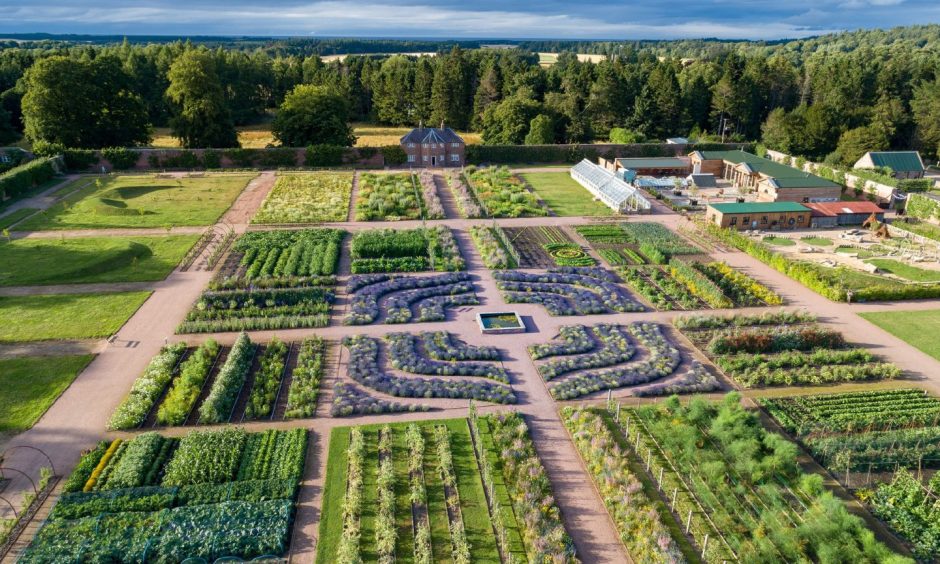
(609, 189)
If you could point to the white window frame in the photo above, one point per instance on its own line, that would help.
(411, 158)
(455, 145)
(424, 158)
(455, 158)
(411, 145)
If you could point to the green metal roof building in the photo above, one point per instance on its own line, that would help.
(759, 215)
(905, 164)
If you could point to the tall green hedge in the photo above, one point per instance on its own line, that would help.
(17, 181)
(570, 154)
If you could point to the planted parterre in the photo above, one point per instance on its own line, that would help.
(261, 309)
(494, 247)
(501, 193)
(405, 250)
(567, 290)
(542, 247)
(454, 380)
(159, 499)
(307, 198)
(281, 259)
(437, 491)
(403, 299)
(585, 360)
(388, 197)
(872, 433)
(782, 349)
(212, 384)
(656, 242)
(612, 243)
(724, 478)
(435, 210)
(466, 201)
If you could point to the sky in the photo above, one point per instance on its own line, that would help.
(468, 19)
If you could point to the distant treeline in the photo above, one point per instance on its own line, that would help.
(831, 96)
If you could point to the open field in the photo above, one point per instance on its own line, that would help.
(30, 262)
(259, 136)
(563, 195)
(131, 201)
(29, 385)
(66, 316)
(917, 328)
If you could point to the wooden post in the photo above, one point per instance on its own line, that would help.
(675, 493)
(637, 447)
(618, 413)
(869, 474)
(704, 545)
(688, 522)
(649, 458)
(609, 399)
(660, 478)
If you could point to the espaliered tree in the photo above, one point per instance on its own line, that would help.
(201, 117)
(313, 115)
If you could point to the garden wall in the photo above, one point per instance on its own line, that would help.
(574, 153)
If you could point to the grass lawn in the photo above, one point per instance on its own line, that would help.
(817, 241)
(34, 191)
(917, 328)
(29, 262)
(779, 241)
(131, 201)
(66, 316)
(29, 385)
(476, 516)
(8, 220)
(862, 253)
(922, 228)
(906, 271)
(563, 195)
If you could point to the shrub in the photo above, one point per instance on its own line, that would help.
(17, 181)
(120, 158)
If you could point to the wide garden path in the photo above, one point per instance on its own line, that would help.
(78, 419)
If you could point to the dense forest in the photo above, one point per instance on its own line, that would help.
(829, 97)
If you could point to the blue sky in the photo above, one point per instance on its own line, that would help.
(581, 19)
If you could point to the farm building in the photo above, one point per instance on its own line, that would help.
(832, 214)
(905, 164)
(434, 146)
(759, 215)
(773, 182)
(655, 166)
(612, 191)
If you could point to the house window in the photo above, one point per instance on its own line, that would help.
(745, 219)
(805, 200)
(455, 158)
(763, 219)
(799, 219)
(455, 145)
(411, 158)
(411, 145)
(424, 158)
(782, 217)
(734, 221)
(425, 145)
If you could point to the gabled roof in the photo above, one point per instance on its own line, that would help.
(808, 181)
(898, 161)
(759, 207)
(431, 135)
(835, 208)
(654, 162)
(703, 180)
(781, 175)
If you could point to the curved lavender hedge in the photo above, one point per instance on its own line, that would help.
(567, 290)
(615, 348)
(364, 368)
(403, 355)
(350, 400)
(432, 294)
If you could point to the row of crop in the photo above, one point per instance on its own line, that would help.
(259, 310)
(386, 532)
(740, 287)
(147, 388)
(699, 284)
(181, 399)
(491, 248)
(708, 322)
(640, 524)
(289, 254)
(530, 490)
(777, 340)
(466, 201)
(855, 411)
(414, 250)
(604, 234)
(460, 547)
(441, 345)
(878, 450)
(435, 210)
(305, 379)
(348, 549)
(912, 510)
(573, 339)
(662, 290)
(228, 383)
(267, 380)
(657, 242)
(418, 495)
(273, 455)
(306, 198)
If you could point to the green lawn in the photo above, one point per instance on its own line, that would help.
(917, 328)
(817, 241)
(906, 271)
(922, 228)
(779, 241)
(10, 219)
(66, 316)
(469, 485)
(30, 262)
(29, 385)
(563, 195)
(142, 201)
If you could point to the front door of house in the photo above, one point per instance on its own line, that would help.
(433, 161)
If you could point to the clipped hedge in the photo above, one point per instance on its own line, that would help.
(17, 181)
(324, 155)
(120, 158)
(514, 154)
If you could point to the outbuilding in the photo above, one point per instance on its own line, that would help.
(759, 215)
(773, 182)
(833, 214)
(904, 164)
(656, 166)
